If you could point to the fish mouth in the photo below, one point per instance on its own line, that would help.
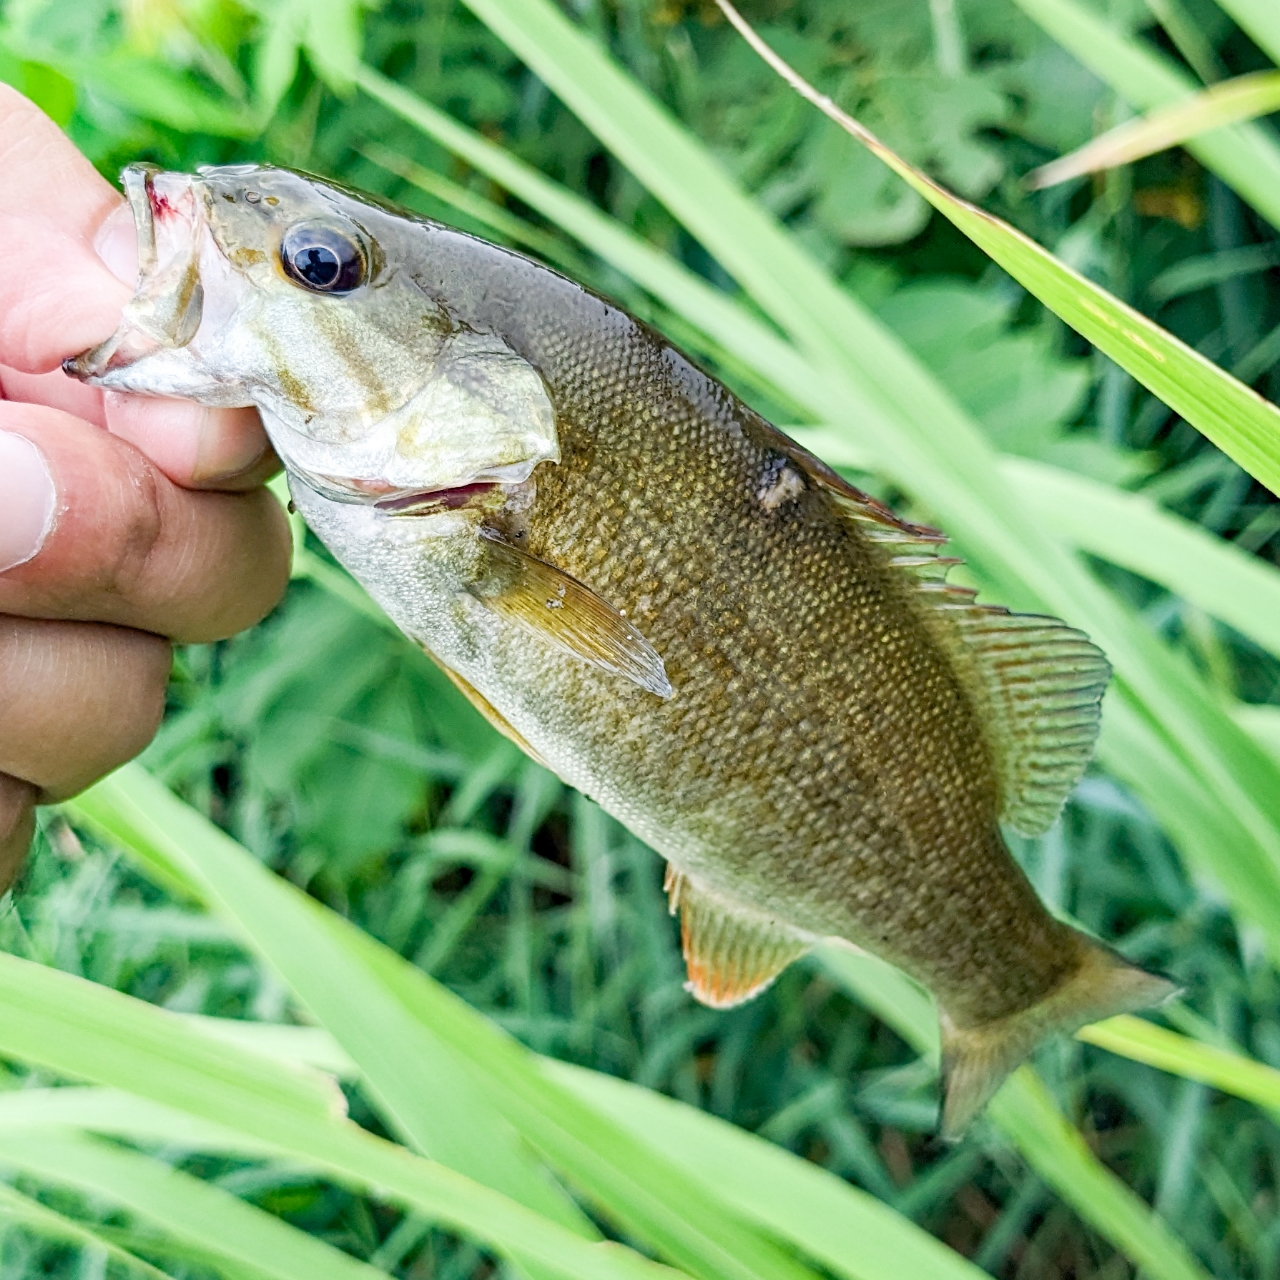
(428, 501)
(397, 501)
(166, 310)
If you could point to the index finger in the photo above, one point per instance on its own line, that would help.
(57, 296)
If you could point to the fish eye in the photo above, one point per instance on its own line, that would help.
(323, 258)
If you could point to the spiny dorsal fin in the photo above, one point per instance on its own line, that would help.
(731, 954)
(569, 615)
(1038, 683)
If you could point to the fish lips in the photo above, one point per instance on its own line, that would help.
(168, 305)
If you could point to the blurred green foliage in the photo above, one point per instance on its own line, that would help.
(343, 759)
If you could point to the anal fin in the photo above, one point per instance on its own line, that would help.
(566, 613)
(731, 953)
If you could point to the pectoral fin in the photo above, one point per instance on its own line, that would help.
(731, 954)
(561, 610)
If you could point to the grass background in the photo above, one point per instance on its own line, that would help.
(345, 763)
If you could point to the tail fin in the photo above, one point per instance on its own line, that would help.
(976, 1060)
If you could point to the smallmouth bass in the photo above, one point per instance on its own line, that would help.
(758, 669)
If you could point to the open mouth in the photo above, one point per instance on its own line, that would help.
(429, 500)
(167, 308)
(397, 501)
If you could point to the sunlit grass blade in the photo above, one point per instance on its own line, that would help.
(1261, 19)
(206, 1218)
(853, 1233)
(1244, 98)
(1231, 1072)
(1238, 420)
(117, 1113)
(418, 1083)
(39, 1218)
(1024, 1111)
(1245, 156)
(88, 1032)
(1131, 531)
(645, 1193)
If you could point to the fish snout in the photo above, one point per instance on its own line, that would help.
(168, 305)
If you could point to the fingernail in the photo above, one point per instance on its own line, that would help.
(27, 500)
(117, 245)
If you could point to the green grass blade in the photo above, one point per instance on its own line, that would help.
(15, 1207)
(649, 1196)
(212, 1221)
(853, 1233)
(115, 1113)
(1245, 156)
(1158, 1047)
(1131, 531)
(79, 1029)
(1238, 420)
(50, 1017)
(1261, 20)
(422, 1089)
(1025, 1112)
(1244, 98)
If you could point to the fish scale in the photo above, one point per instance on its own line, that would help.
(761, 671)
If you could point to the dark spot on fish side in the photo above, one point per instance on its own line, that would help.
(295, 390)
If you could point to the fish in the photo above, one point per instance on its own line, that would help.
(760, 670)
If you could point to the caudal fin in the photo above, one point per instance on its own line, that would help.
(976, 1060)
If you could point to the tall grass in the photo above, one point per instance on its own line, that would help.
(376, 1080)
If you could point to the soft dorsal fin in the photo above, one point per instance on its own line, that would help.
(1038, 683)
(569, 615)
(731, 954)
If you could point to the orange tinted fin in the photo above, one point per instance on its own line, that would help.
(491, 713)
(731, 954)
(567, 614)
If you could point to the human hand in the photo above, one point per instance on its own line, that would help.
(125, 522)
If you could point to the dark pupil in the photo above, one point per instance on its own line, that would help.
(323, 258)
(318, 265)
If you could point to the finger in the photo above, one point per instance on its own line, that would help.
(77, 699)
(195, 446)
(71, 261)
(56, 293)
(17, 826)
(92, 530)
